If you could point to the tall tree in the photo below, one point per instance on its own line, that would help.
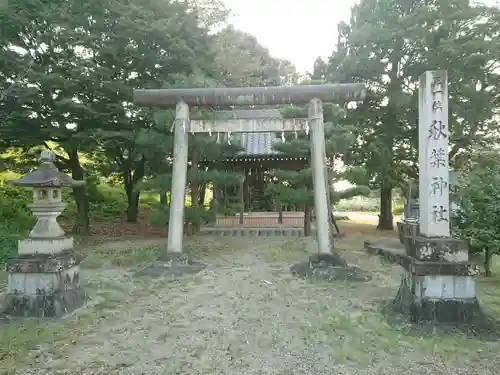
(87, 58)
(242, 61)
(387, 44)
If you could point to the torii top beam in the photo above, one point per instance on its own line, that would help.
(337, 93)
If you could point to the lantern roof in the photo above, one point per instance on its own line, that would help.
(47, 175)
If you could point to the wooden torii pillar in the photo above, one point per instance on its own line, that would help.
(314, 95)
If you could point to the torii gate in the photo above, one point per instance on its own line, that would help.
(312, 94)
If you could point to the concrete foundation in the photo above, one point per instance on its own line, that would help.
(444, 299)
(44, 285)
(439, 290)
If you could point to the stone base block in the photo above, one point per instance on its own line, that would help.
(32, 283)
(172, 265)
(437, 304)
(399, 255)
(43, 285)
(436, 249)
(329, 267)
(50, 305)
(30, 246)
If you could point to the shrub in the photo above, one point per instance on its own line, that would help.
(195, 215)
(398, 209)
(367, 205)
(104, 202)
(358, 205)
(478, 216)
(107, 201)
(15, 219)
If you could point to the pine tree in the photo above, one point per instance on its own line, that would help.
(158, 142)
(296, 187)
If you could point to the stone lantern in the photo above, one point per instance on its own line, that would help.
(44, 279)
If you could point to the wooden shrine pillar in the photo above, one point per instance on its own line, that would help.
(179, 171)
(321, 196)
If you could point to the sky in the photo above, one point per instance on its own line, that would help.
(296, 30)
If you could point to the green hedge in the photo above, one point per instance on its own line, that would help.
(105, 202)
(15, 219)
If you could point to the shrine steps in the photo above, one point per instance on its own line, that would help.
(252, 232)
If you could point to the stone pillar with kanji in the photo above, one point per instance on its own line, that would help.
(44, 278)
(438, 279)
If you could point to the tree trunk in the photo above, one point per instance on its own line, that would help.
(82, 221)
(132, 206)
(195, 197)
(247, 190)
(488, 257)
(163, 198)
(334, 222)
(242, 202)
(202, 193)
(130, 180)
(279, 207)
(216, 198)
(307, 220)
(385, 219)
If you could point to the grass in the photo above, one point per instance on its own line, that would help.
(126, 257)
(289, 251)
(370, 334)
(22, 341)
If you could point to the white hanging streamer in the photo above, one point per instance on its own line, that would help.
(307, 129)
(282, 136)
(228, 138)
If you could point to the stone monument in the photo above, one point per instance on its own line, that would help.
(437, 283)
(44, 278)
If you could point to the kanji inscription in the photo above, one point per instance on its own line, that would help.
(439, 213)
(437, 158)
(439, 186)
(433, 159)
(437, 130)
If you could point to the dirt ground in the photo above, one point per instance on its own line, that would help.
(244, 314)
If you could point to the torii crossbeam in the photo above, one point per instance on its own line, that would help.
(312, 94)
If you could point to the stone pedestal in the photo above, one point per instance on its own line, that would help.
(437, 283)
(44, 285)
(46, 246)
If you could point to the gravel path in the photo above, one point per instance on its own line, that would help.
(244, 314)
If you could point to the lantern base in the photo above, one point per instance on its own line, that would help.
(49, 305)
(32, 246)
(44, 285)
